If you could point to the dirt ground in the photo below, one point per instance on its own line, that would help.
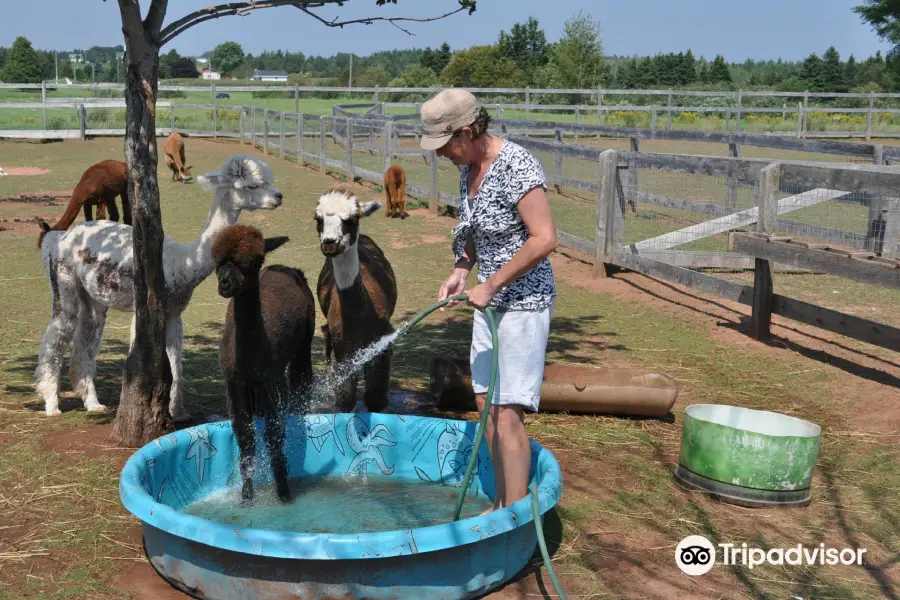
(25, 170)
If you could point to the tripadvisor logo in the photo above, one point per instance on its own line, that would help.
(696, 555)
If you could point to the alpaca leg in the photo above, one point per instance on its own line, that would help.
(346, 394)
(109, 200)
(239, 402)
(401, 201)
(300, 371)
(88, 215)
(175, 350)
(274, 436)
(53, 346)
(88, 338)
(378, 381)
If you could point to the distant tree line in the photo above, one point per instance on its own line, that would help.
(521, 57)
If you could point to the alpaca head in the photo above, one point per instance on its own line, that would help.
(185, 174)
(248, 183)
(239, 252)
(337, 220)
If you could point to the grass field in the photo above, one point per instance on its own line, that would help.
(64, 534)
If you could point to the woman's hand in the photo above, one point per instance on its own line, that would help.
(453, 286)
(481, 295)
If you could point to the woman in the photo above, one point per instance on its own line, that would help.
(507, 228)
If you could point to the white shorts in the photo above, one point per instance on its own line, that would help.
(522, 337)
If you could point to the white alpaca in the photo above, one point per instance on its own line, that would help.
(90, 271)
(2, 172)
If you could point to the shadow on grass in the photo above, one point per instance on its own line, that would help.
(742, 324)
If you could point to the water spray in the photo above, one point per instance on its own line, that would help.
(492, 323)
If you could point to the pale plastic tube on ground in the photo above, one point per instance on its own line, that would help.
(576, 389)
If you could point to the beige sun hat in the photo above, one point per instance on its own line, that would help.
(443, 114)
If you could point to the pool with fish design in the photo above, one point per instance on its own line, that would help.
(409, 557)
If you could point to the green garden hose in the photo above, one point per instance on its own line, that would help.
(536, 514)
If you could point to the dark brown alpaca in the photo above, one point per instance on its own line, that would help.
(174, 154)
(99, 186)
(357, 292)
(395, 190)
(269, 327)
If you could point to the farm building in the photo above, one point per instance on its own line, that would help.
(266, 75)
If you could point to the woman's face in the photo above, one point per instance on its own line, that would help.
(459, 148)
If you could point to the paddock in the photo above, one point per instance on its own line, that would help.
(621, 515)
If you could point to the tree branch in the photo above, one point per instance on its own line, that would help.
(132, 26)
(155, 17)
(391, 20)
(223, 10)
(242, 8)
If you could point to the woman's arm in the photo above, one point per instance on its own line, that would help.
(456, 283)
(534, 208)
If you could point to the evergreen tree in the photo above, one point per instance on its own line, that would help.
(832, 73)
(811, 73)
(718, 71)
(22, 65)
(688, 68)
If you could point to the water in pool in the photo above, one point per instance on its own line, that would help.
(336, 504)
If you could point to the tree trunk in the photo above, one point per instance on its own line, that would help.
(143, 413)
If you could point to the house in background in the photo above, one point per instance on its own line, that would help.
(264, 75)
(210, 74)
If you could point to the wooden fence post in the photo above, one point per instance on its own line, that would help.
(281, 150)
(891, 228)
(605, 234)
(669, 112)
(737, 116)
(805, 113)
(322, 144)
(299, 139)
(878, 154)
(351, 173)
(214, 113)
(869, 116)
(769, 180)
(242, 127)
(559, 162)
(731, 184)
(388, 136)
(172, 117)
(433, 194)
(82, 116)
(632, 181)
(265, 131)
(44, 103)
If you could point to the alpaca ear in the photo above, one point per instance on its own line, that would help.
(273, 243)
(368, 208)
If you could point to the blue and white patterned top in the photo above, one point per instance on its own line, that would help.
(498, 229)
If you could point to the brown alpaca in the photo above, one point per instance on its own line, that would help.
(99, 186)
(269, 328)
(395, 190)
(357, 292)
(174, 152)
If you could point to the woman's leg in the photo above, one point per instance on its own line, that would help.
(522, 337)
(510, 451)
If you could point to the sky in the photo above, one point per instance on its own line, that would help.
(760, 29)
